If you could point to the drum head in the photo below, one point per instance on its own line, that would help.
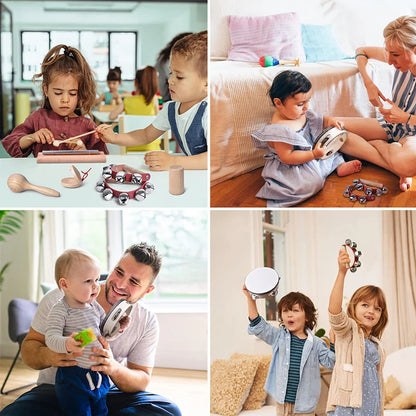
(332, 140)
(111, 323)
(262, 281)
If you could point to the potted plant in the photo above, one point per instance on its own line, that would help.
(10, 223)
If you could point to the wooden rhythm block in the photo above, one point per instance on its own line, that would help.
(71, 156)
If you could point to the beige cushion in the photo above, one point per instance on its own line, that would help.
(257, 395)
(231, 381)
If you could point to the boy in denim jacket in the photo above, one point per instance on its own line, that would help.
(294, 375)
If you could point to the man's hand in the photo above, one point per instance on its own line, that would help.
(104, 358)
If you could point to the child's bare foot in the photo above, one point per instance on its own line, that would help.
(348, 168)
(405, 183)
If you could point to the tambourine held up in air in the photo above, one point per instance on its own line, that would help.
(262, 282)
(354, 254)
(332, 139)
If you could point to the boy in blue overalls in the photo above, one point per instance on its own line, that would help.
(186, 115)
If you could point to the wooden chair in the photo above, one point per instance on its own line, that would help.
(128, 123)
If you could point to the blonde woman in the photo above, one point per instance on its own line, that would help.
(390, 140)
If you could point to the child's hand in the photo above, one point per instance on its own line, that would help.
(124, 323)
(105, 133)
(248, 294)
(336, 123)
(343, 259)
(331, 336)
(318, 151)
(42, 136)
(158, 160)
(72, 345)
(78, 145)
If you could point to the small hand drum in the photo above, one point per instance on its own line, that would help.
(111, 323)
(332, 140)
(354, 254)
(262, 282)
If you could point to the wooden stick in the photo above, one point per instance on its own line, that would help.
(56, 143)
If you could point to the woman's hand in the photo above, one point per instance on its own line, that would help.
(394, 114)
(374, 95)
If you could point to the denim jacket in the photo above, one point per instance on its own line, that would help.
(315, 352)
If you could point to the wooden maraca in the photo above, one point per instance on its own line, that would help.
(270, 61)
(18, 183)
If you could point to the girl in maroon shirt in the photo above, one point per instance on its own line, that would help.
(68, 95)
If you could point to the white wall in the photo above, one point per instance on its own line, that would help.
(314, 238)
(341, 14)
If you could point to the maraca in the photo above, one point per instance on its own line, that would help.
(270, 61)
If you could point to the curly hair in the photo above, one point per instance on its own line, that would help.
(70, 62)
(304, 303)
(194, 48)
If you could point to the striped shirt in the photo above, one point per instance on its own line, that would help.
(296, 349)
(404, 96)
(64, 320)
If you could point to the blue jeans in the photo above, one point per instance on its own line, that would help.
(42, 400)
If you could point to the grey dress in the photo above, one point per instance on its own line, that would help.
(371, 387)
(287, 185)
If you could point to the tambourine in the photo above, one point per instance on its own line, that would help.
(262, 282)
(332, 139)
(111, 323)
(354, 254)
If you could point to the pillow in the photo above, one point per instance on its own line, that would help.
(320, 45)
(231, 381)
(257, 395)
(46, 287)
(278, 35)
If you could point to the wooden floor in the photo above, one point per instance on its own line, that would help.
(241, 191)
(187, 388)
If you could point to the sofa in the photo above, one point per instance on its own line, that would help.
(326, 36)
(237, 383)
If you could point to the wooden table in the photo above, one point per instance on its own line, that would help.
(50, 175)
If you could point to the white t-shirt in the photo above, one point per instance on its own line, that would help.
(183, 121)
(137, 344)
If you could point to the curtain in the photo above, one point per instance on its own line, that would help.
(399, 263)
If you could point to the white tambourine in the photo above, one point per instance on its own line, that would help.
(332, 140)
(262, 282)
(111, 323)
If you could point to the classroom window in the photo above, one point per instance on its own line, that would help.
(180, 237)
(101, 49)
(274, 253)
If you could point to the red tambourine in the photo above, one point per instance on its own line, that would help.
(354, 253)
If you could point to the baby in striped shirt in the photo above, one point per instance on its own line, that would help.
(294, 374)
(77, 274)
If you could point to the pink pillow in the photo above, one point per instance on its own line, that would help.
(279, 35)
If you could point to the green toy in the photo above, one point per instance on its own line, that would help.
(86, 336)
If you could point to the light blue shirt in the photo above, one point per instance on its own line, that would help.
(315, 352)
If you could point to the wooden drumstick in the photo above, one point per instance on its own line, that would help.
(18, 183)
(56, 143)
